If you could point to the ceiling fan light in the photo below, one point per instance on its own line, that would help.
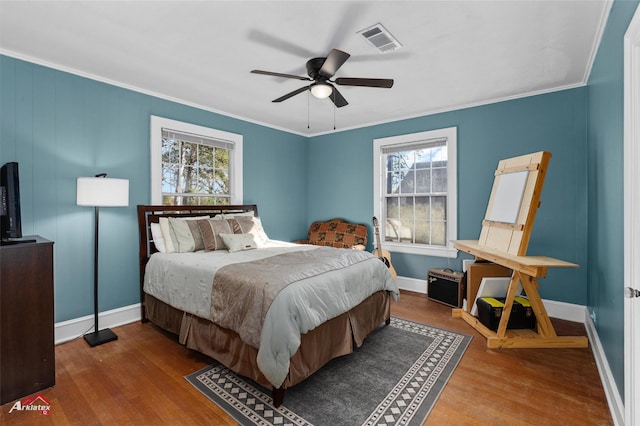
(321, 91)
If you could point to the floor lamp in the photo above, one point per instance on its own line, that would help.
(100, 191)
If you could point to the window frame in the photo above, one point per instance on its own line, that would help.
(235, 155)
(379, 169)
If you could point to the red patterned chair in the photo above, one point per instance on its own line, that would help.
(337, 233)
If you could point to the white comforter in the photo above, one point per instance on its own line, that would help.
(185, 280)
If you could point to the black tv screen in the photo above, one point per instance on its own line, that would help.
(10, 221)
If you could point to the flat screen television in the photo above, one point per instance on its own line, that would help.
(10, 219)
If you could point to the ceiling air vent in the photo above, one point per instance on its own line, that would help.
(380, 38)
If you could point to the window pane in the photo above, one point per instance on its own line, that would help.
(170, 151)
(169, 177)
(422, 232)
(422, 208)
(205, 156)
(440, 180)
(393, 212)
(193, 168)
(188, 179)
(406, 208)
(439, 208)
(415, 181)
(221, 182)
(221, 158)
(423, 180)
(392, 182)
(204, 181)
(438, 233)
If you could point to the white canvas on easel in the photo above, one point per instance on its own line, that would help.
(493, 287)
(508, 197)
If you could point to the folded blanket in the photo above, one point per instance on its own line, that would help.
(271, 302)
(243, 292)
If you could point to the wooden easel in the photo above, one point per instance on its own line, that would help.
(504, 238)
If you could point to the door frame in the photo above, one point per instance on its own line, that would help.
(631, 215)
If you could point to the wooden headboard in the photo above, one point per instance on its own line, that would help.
(152, 214)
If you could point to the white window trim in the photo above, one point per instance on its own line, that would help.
(450, 134)
(158, 123)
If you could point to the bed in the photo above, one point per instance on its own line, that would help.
(203, 271)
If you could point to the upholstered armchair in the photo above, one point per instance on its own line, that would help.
(337, 233)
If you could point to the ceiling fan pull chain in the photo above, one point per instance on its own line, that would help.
(308, 119)
(334, 110)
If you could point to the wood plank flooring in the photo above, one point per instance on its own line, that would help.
(139, 379)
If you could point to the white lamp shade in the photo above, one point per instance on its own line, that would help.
(102, 192)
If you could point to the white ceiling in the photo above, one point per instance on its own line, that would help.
(455, 53)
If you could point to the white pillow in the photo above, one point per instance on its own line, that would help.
(158, 239)
(166, 235)
(182, 238)
(177, 241)
(258, 231)
(253, 225)
(238, 242)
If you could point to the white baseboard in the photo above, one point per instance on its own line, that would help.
(72, 329)
(614, 400)
(560, 310)
(412, 284)
(565, 311)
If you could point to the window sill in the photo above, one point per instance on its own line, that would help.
(422, 250)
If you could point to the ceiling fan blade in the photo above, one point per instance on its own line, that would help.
(281, 44)
(367, 82)
(337, 98)
(334, 60)
(290, 94)
(278, 74)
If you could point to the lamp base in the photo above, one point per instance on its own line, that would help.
(100, 337)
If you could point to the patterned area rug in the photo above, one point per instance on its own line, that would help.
(395, 378)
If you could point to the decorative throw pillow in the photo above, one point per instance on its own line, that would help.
(166, 235)
(211, 230)
(182, 237)
(198, 243)
(253, 225)
(178, 236)
(238, 242)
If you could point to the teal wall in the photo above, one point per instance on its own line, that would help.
(605, 158)
(59, 126)
(341, 178)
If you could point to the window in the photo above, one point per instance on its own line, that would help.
(194, 165)
(415, 192)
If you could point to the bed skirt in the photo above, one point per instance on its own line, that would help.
(332, 339)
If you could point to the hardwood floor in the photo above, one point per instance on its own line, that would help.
(139, 379)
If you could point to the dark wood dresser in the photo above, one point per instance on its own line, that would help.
(27, 357)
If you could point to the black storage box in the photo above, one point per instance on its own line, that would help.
(490, 312)
(446, 286)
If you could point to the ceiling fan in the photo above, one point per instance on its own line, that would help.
(320, 71)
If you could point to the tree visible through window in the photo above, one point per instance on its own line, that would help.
(193, 173)
(416, 195)
(415, 192)
(194, 165)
